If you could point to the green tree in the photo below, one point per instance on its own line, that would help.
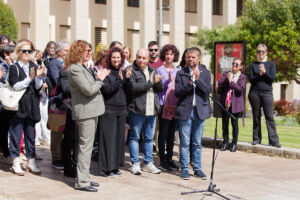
(8, 22)
(275, 23)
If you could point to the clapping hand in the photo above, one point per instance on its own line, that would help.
(1, 72)
(262, 69)
(32, 73)
(102, 73)
(120, 73)
(41, 70)
(229, 77)
(128, 72)
(197, 73)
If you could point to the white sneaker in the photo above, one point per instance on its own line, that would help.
(136, 169)
(150, 167)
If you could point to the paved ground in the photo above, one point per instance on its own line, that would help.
(239, 175)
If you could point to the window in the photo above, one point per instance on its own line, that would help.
(165, 4)
(25, 30)
(65, 32)
(100, 35)
(239, 7)
(283, 91)
(133, 3)
(191, 6)
(217, 7)
(100, 1)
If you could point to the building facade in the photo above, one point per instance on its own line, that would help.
(132, 22)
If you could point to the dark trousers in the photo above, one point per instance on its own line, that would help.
(4, 126)
(235, 127)
(111, 142)
(265, 100)
(166, 136)
(16, 127)
(70, 144)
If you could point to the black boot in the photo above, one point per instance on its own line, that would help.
(224, 147)
(233, 148)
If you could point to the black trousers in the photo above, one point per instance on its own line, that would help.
(166, 136)
(235, 127)
(70, 144)
(4, 126)
(265, 100)
(111, 142)
(16, 126)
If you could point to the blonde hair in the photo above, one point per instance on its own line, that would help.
(75, 53)
(262, 46)
(19, 46)
(130, 54)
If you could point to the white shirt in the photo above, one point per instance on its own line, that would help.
(25, 83)
(150, 96)
(194, 85)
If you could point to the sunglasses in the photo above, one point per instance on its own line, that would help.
(156, 50)
(235, 64)
(26, 51)
(261, 51)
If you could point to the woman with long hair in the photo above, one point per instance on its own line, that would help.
(112, 122)
(262, 75)
(87, 105)
(25, 74)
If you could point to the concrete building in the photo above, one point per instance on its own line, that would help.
(132, 22)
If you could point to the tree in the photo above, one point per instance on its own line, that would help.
(8, 22)
(275, 23)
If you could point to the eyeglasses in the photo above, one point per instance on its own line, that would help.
(235, 64)
(260, 51)
(156, 50)
(26, 51)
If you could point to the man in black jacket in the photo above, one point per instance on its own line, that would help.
(192, 87)
(143, 104)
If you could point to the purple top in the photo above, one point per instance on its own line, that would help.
(165, 79)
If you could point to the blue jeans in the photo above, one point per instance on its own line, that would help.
(191, 129)
(137, 124)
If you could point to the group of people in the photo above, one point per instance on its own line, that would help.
(106, 94)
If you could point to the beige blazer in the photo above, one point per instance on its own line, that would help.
(87, 100)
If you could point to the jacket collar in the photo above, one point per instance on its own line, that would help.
(136, 68)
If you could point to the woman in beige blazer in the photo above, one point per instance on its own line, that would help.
(87, 105)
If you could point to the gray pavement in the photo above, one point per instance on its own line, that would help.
(239, 175)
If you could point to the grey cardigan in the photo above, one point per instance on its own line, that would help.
(87, 100)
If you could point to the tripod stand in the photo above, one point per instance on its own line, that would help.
(212, 187)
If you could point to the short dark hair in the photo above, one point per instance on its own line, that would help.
(151, 43)
(6, 49)
(113, 43)
(3, 37)
(166, 48)
(193, 49)
(109, 54)
(242, 63)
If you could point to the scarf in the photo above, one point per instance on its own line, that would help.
(235, 78)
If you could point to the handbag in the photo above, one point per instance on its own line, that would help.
(56, 118)
(10, 97)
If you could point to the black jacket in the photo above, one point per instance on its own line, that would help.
(64, 90)
(29, 104)
(113, 93)
(185, 93)
(137, 90)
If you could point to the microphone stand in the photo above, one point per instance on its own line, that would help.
(212, 187)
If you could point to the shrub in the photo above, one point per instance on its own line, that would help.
(282, 107)
(294, 107)
(8, 22)
(297, 116)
